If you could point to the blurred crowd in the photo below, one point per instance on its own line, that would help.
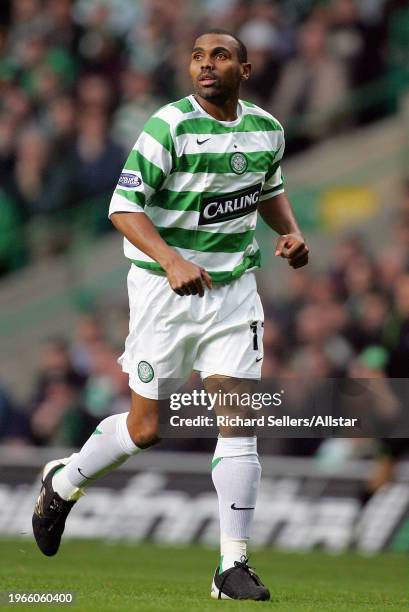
(78, 78)
(351, 320)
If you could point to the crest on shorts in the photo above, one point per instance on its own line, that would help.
(238, 163)
(145, 371)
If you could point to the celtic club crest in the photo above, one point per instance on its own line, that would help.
(145, 371)
(238, 163)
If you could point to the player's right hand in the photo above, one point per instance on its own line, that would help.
(186, 278)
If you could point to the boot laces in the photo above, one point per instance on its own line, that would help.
(243, 564)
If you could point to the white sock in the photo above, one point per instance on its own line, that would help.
(236, 475)
(107, 448)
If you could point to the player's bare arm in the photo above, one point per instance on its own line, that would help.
(184, 277)
(278, 214)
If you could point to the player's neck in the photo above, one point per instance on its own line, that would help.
(224, 111)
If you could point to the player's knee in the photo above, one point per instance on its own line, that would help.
(145, 439)
(144, 431)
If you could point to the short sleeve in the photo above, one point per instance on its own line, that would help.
(147, 166)
(274, 183)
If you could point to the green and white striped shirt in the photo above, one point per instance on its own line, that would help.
(199, 180)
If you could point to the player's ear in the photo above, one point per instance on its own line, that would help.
(245, 71)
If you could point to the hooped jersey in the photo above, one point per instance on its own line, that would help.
(199, 180)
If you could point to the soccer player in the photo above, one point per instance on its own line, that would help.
(186, 204)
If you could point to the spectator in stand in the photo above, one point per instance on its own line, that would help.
(59, 122)
(117, 16)
(37, 186)
(89, 337)
(274, 345)
(7, 144)
(322, 331)
(287, 309)
(366, 328)
(262, 41)
(11, 425)
(138, 104)
(396, 331)
(43, 70)
(104, 385)
(56, 414)
(62, 30)
(12, 251)
(27, 20)
(358, 45)
(55, 364)
(310, 85)
(152, 37)
(58, 419)
(16, 107)
(94, 92)
(95, 166)
(100, 49)
(393, 259)
(345, 253)
(360, 278)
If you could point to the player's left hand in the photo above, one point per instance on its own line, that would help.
(293, 248)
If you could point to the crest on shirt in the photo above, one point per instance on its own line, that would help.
(129, 180)
(238, 163)
(145, 371)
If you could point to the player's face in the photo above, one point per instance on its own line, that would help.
(215, 69)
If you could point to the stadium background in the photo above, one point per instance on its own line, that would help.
(77, 81)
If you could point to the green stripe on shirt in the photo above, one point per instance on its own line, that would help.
(160, 131)
(248, 123)
(199, 240)
(219, 163)
(152, 175)
(135, 197)
(183, 105)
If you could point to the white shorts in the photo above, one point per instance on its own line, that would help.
(170, 335)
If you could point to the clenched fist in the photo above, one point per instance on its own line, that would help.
(293, 248)
(186, 278)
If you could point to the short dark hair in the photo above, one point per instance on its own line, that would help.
(242, 52)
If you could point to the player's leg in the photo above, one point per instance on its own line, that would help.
(231, 347)
(114, 440)
(153, 353)
(236, 472)
(236, 475)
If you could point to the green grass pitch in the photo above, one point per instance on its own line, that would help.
(151, 578)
